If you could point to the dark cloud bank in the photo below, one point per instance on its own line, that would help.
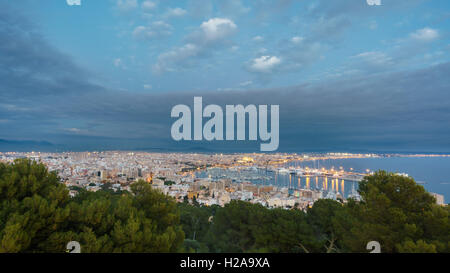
(48, 102)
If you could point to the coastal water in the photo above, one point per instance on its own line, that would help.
(430, 172)
(291, 181)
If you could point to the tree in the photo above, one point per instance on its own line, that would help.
(245, 227)
(194, 220)
(195, 223)
(416, 247)
(33, 206)
(396, 212)
(37, 215)
(144, 220)
(321, 216)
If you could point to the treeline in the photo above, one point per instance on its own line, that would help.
(37, 215)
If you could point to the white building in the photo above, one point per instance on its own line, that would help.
(439, 198)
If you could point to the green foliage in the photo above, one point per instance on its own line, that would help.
(195, 220)
(169, 183)
(396, 212)
(37, 215)
(416, 247)
(322, 217)
(245, 227)
(32, 207)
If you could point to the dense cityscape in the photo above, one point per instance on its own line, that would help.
(226, 176)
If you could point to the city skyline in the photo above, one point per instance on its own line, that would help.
(271, 177)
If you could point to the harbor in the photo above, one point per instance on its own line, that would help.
(328, 182)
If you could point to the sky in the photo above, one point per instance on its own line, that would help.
(348, 76)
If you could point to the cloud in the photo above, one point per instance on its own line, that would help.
(290, 55)
(328, 22)
(148, 6)
(233, 7)
(374, 2)
(27, 60)
(246, 83)
(326, 29)
(297, 39)
(374, 57)
(261, 51)
(35, 76)
(117, 62)
(155, 30)
(373, 60)
(73, 2)
(329, 29)
(300, 55)
(126, 5)
(266, 11)
(412, 109)
(425, 34)
(356, 9)
(264, 64)
(331, 19)
(176, 58)
(74, 130)
(46, 96)
(258, 38)
(407, 52)
(200, 8)
(210, 36)
(175, 12)
(217, 28)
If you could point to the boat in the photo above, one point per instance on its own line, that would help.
(283, 171)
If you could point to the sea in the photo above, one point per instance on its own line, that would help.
(430, 172)
(433, 173)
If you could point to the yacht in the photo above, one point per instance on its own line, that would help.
(283, 171)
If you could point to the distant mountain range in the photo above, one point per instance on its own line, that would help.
(25, 145)
(203, 147)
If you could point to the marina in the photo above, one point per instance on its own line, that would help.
(340, 175)
(328, 182)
